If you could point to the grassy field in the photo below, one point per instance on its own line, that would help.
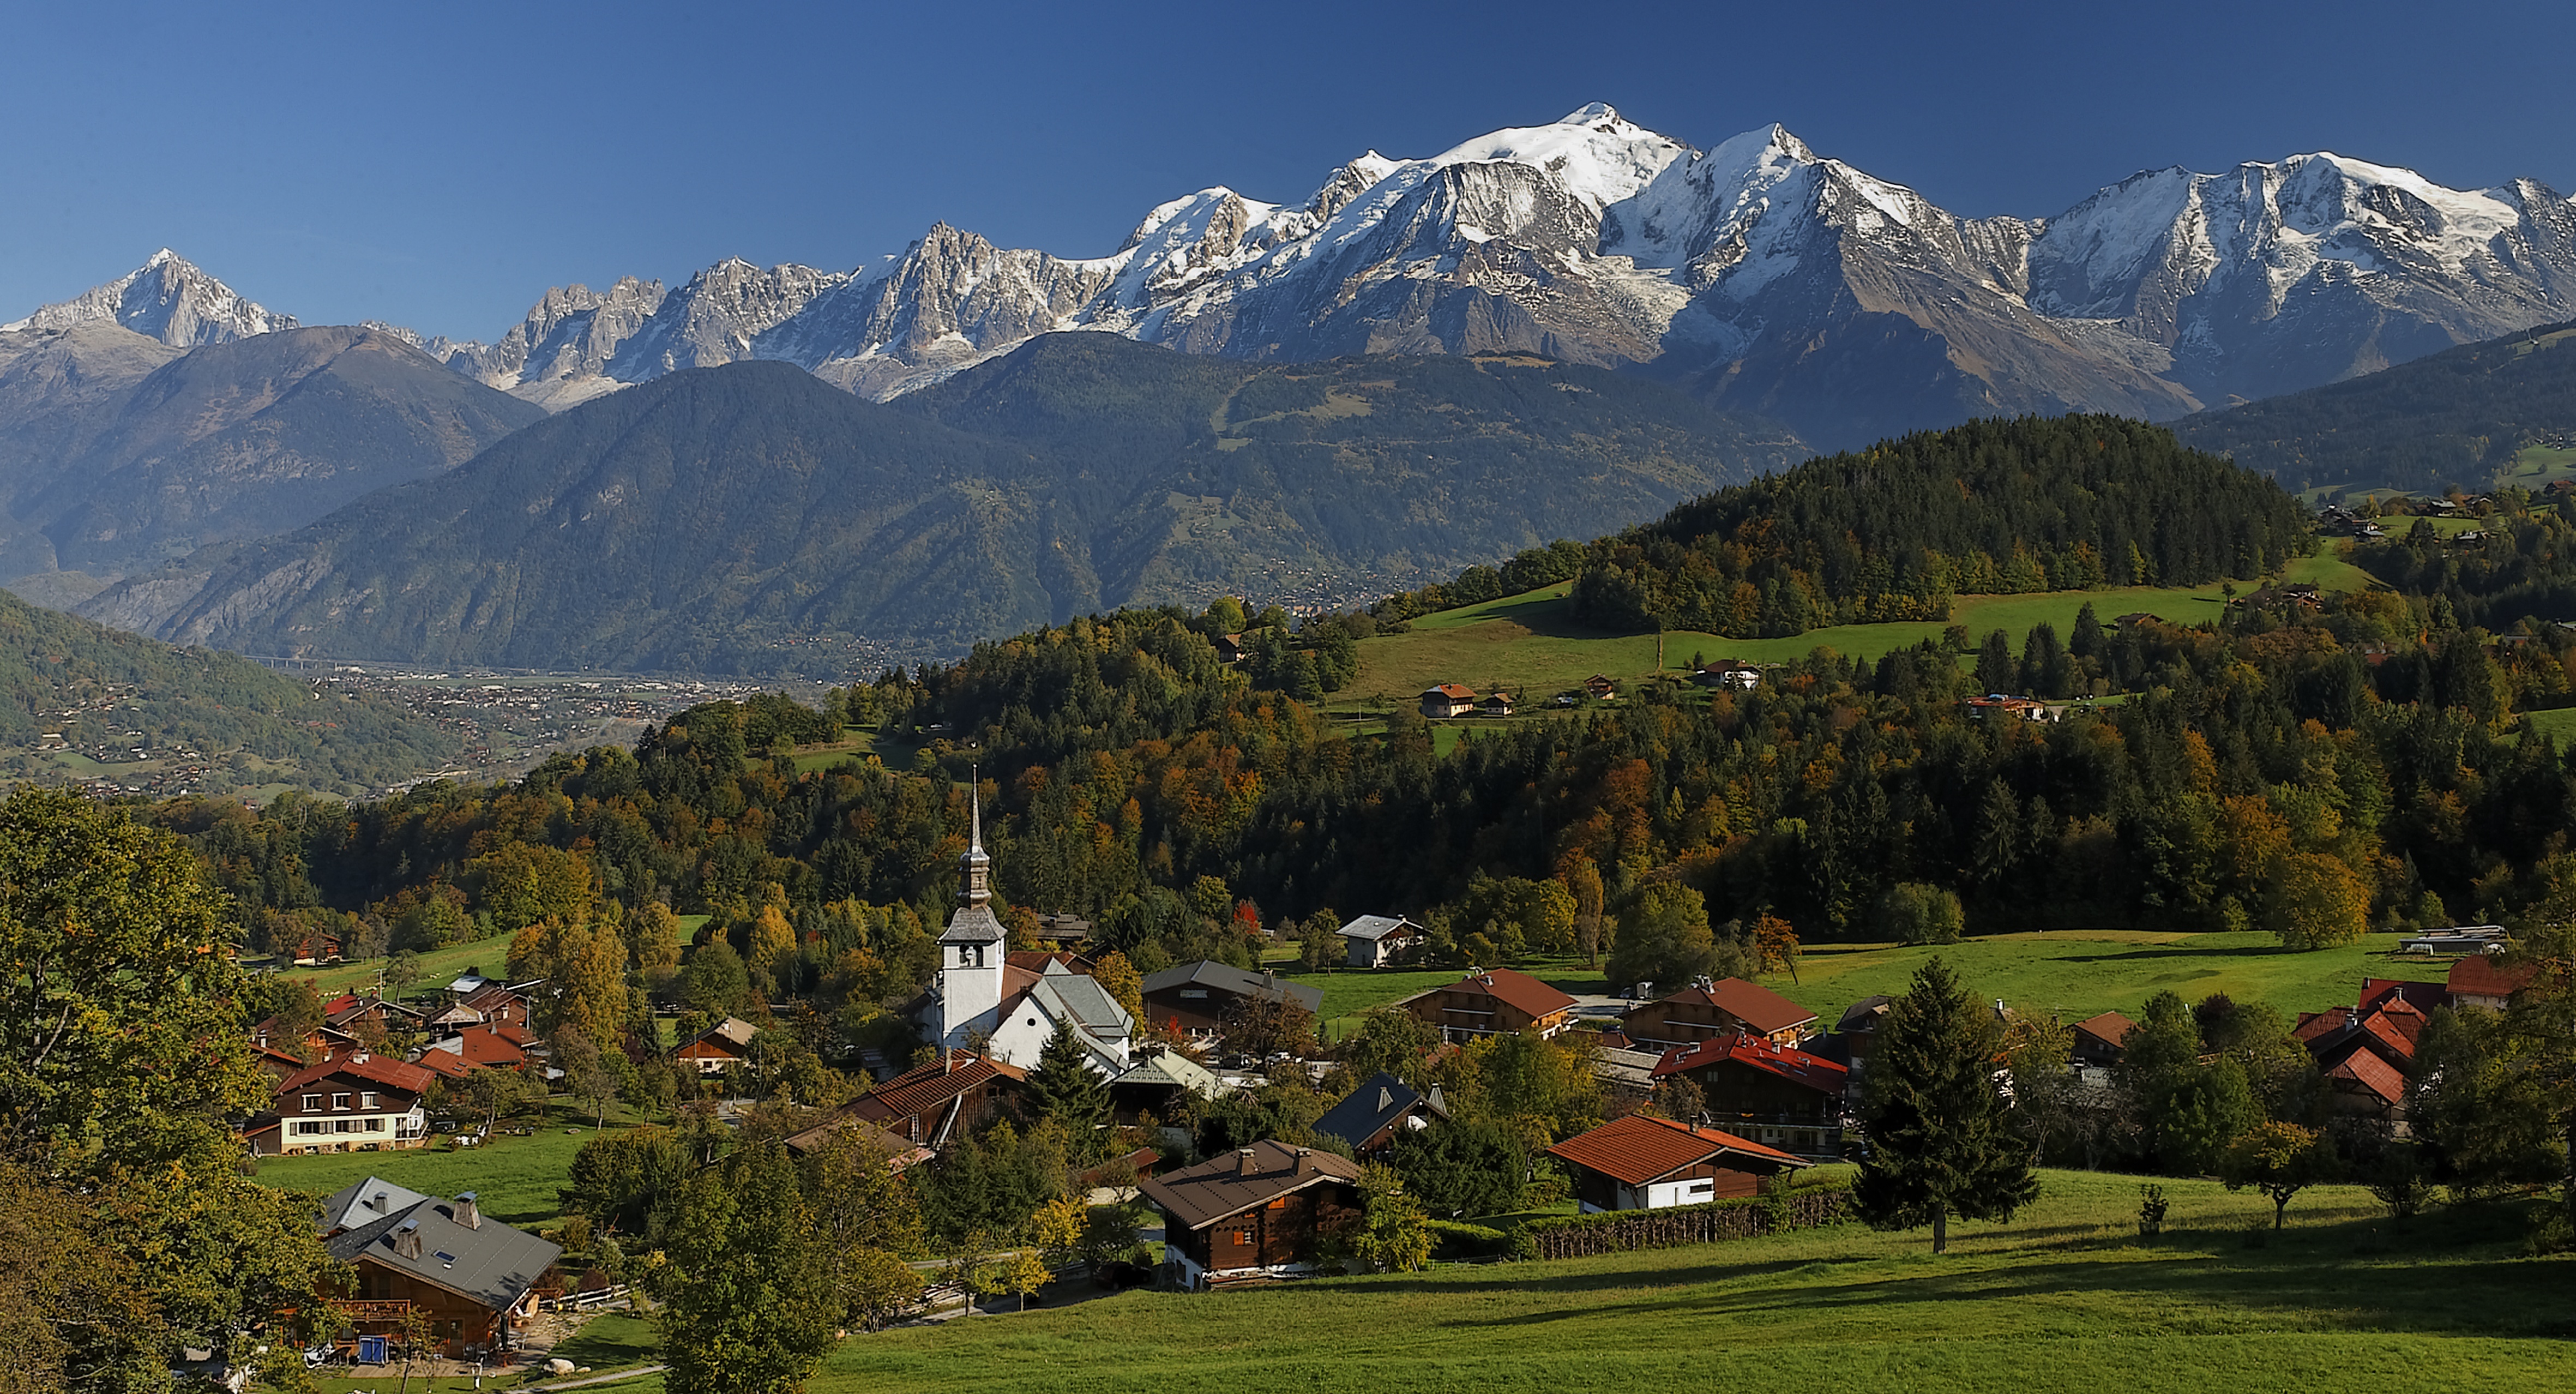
(438, 967)
(895, 749)
(1531, 645)
(2065, 1296)
(514, 1178)
(2558, 723)
(2073, 972)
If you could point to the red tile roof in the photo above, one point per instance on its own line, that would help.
(376, 1069)
(1519, 991)
(2479, 975)
(1751, 1003)
(1452, 691)
(2423, 997)
(2110, 1027)
(2373, 1074)
(483, 1045)
(1638, 1148)
(1795, 1066)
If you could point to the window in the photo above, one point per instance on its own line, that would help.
(367, 1100)
(1193, 992)
(312, 1103)
(307, 1129)
(342, 1125)
(339, 1102)
(375, 1125)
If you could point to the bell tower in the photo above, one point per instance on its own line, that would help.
(971, 953)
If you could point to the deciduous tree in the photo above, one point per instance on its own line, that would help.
(748, 1304)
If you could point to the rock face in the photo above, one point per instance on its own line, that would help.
(1761, 273)
(165, 299)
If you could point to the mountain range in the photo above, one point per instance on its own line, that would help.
(1759, 274)
(751, 518)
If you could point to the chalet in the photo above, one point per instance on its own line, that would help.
(1492, 1002)
(1742, 677)
(1629, 1074)
(1378, 941)
(1036, 960)
(2456, 939)
(2000, 706)
(1192, 999)
(315, 946)
(1448, 699)
(1854, 1036)
(1258, 1211)
(2480, 981)
(899, 1152)
(1780, 1097)
(2135, 618)
(1161, 1083)
(1641, 1162)
(931, 1104)
(712, 1051)
(1728, 1007)
(319, 1043)
(1229, 648)
(1599, 688)
(1496, 704)
(357, 1103)
(1064, 929)
(473, 1279)
(2098, 1038)
(2365, 1050)
(1380, 1111)
(480, 1047)
(2302, 595)
(349, 1010)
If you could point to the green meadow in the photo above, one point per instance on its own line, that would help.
(2064, 1296)
(515, 1179)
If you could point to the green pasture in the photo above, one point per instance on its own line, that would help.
(894, 748)
(2065, 1296)
(1529, 644)
(438, 967)
(515, 1179)
(2558, 724)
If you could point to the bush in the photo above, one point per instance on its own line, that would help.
(2152, 1206)
(1914, 913)
(1456, 1239)
(1617, 1231)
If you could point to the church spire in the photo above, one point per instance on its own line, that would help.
(975, 868)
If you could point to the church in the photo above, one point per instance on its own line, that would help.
(979, 994)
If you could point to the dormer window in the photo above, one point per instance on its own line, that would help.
(367, 1100)
(312, 1103)
(339, 1102)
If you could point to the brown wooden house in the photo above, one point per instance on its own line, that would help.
(1258, 1211)
(1767, 1093)
(1493, 1002)
(2098, 1038)
(474, 1279)
(1727, 1007)
(935, 1103)
(711, 1051)
(1193, 999)
(1642, 1162)
(357, 1103)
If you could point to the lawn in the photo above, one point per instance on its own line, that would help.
(515, 1179)
(2074, 973)
(2065, 1296)
(1530, 644)
(438, 967)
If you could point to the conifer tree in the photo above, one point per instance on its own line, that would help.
(1941, 1139)
(1065, 1088)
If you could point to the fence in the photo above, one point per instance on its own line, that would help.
(1618, 1231)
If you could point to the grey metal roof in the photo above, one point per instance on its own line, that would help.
(1372, 1107)
(974, 924)
(1376, 926)
(1173, 1069)
(492, 1263)
(1225, 977)
(1084, 1000)
(365, 1202)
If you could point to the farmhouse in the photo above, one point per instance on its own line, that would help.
(1380, 1111)
(1448, 699)
(1375, 941)
(2366, 1049)
(933, 1103)
(487, 1047)
(473, 1279)
(2480, 981)
(358, 1103)
(349, 1011)
(1496, 704)
(1742, 677)
(1258, 1211)
(2098, 1038)
(1727, 1007)
(726, 1043)
(1160, 1083)
(1193, 998)
(899, 1152)
(1641, 1162)
(1784, 1098)
(1495, 1001)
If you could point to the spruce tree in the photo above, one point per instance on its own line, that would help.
(1065, 1088)
(1940, 1136)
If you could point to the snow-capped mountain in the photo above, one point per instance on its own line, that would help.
(1760, 273)
(166, 299)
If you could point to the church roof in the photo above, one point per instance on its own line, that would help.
(974, 924)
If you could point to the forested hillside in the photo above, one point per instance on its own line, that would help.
(1893, 532)
(748, 519)
(99, 688)
(2455, 418)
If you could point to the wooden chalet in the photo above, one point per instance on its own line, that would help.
(1380, 1111)
(1259, 1211)
(1160, 1084)
(474, 1279)
(1192, 999)
(349, 1011)
(1727, 1007)
(1642, 1162)
(1495, 704)
(844, 1122)
(1448, 699)
(2098, 1038)
(2366, 1050)
(358, 1103)
(712, 1051)
(1769, 1093)
(1742, 677)
(1492, 1002)
(1377, 941)
(478, 1047)
(934, 1103)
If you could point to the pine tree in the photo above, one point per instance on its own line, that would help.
(1941, 1138)
(1065, 1088)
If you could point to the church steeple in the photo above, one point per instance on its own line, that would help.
(975, 869)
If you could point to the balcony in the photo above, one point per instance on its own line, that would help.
(370, 1313)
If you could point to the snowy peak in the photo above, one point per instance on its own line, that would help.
(167, 299)
(1591, 153)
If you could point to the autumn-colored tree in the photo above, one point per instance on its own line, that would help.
(1582, 877)
(2280, 1160)
(2314, 901)
(1122, 982)
(1775, 942)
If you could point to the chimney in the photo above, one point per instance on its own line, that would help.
(1305, 1161)
(467, 1213)
(407, 1239)
(378, 1204)
(1244, 1165)
(357, 1057)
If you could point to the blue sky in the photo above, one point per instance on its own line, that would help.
(441, 165)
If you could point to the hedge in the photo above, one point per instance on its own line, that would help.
(1618, 1231)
